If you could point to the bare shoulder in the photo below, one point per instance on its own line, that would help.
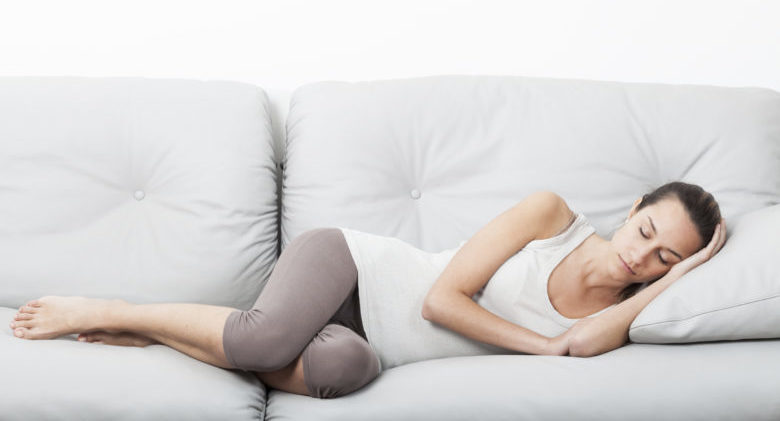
(557, 214)
(541, 214)
(538, 215)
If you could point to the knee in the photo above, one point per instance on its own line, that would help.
(253, 343)
(338, 362)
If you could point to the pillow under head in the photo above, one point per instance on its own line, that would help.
(735, 295)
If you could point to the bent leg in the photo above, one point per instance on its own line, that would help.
(337, 362)
(312, 279)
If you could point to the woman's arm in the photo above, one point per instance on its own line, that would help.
(449, 302)
(461, 314)
(609, 330)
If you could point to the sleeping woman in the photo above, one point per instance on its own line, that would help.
(536, 279)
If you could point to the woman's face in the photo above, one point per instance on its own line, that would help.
(653, 240)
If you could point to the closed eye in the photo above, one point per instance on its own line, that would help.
(659, 253)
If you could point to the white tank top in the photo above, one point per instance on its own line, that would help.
(394, 277)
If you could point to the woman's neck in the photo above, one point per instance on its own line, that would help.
(590, 263)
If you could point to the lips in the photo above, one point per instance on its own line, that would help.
(626, 266)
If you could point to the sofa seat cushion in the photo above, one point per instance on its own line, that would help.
(66, 379)
(703, 381)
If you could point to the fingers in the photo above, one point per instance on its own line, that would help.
(710, 250)
(714, 240)
(719, 238)
(723, 231)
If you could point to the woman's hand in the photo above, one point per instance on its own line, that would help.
(558, 345)
(569, 342)
(580, 334)
(718, 238)
(562, 344)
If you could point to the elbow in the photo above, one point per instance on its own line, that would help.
(430, 308)
(583, 346)
(578, 347)
(427, 310)
(438, 307)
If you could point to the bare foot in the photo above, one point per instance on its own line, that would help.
(120, 338)
(52, 316)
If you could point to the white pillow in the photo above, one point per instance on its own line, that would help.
(735, 295)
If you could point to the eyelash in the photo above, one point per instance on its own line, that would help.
(659, 253)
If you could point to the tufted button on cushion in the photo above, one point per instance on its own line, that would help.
(139, 194)
(415, 194)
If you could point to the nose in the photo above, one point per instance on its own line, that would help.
(639, 255)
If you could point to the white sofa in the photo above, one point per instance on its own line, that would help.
(158, 190)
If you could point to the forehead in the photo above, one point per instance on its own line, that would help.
(675, 228)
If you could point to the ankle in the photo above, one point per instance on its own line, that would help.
(111, 315)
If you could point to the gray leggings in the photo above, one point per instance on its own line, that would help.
(309, 305)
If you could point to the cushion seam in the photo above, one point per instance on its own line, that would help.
(706, 312)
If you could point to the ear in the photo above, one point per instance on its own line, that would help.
(633, 210)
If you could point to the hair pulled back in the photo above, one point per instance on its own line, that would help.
(700, 206)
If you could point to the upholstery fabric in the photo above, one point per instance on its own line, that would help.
(151, 190)
(431, 160)
(643, 382)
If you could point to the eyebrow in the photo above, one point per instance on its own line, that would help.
(656, 232)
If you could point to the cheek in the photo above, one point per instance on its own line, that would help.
(619, 236)
(623, 240)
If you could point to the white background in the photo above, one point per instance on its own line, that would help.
(280, 45)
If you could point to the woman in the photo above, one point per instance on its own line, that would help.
(305, 334)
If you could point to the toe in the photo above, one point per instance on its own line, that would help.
(28, 309)
(23, 316)
(20, 333)
(22, 323)
(89, 337)
(34, 303)
(98, 337)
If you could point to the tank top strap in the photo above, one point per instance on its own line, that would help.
(577, 224)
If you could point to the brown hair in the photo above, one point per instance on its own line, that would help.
(700, 206)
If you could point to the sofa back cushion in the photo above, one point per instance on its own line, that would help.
(143, 189)
(432, 160)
